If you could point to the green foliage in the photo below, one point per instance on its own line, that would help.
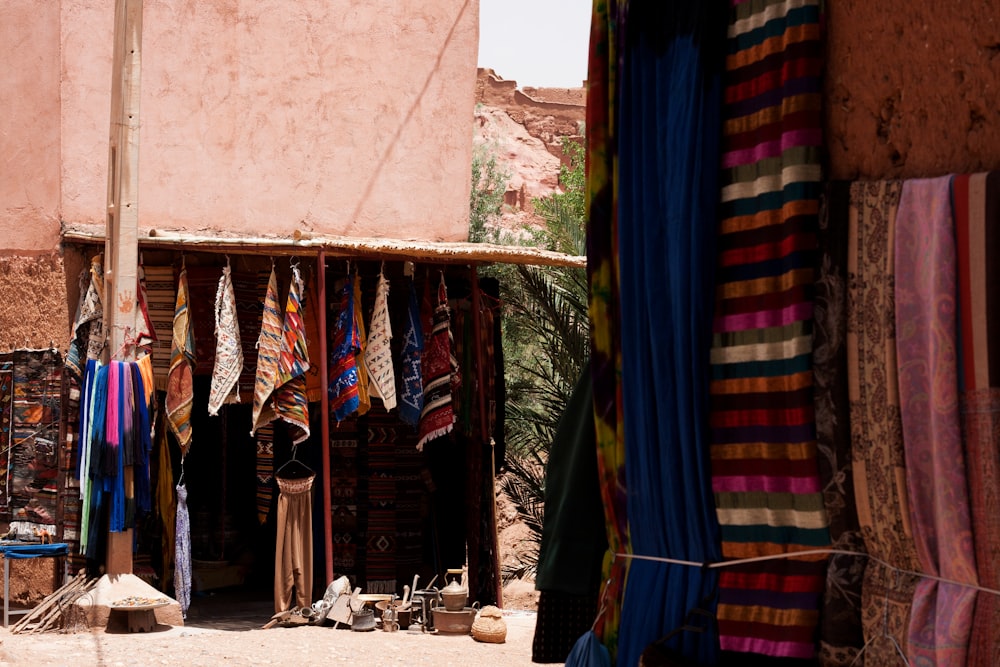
(546, 331)
(489, 182)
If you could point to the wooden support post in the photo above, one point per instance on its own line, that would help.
(324, 406)
(121, 251)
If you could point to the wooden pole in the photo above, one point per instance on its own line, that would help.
(486, 443)
(121, 250)
(324, 406)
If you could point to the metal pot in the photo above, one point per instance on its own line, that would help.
(422, 603)
(454, 596)
(363, 620)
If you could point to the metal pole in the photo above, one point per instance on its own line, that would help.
(324, 403)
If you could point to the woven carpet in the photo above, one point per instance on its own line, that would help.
(345, 504)
(69, 495)
(34, 463)
(391, 438)
(765, 475)
(381, 543)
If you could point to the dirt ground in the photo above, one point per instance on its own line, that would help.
(202, 645)
(220, 631)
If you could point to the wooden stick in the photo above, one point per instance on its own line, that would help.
(49, 601)
(55, 608)
(57, 612)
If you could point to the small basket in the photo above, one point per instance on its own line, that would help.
(489, 626)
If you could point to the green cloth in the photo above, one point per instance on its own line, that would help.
(573, 535)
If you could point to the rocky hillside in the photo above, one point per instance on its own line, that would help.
(524, 128)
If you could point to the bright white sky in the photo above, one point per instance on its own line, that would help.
(540, 43)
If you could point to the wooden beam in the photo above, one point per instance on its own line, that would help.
(121, 248)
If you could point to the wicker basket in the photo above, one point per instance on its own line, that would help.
(489, 626)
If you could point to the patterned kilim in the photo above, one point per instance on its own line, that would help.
(265, 471)
(438, 417)
(345, 507)
(268, 352)
(6, 429)
(380, 561)
(161, 293)
(228, 364)
(765, 475)
(378, 351)
(34, 461)
(364, 397)
(411, 393)
(180, 383)
(409, 488)
(345, 343)
(290, 400)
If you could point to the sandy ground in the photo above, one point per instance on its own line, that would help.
(199, 644)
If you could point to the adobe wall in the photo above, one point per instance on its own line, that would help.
(270, 115)
(912, 90)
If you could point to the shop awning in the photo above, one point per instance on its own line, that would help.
(308, 243)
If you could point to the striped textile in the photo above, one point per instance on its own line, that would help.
(268, 353)
(228, 347)
(876, 431)
(382, 545)
(180, 387)
(976, 201)
(364, 397)
(378, 352)
(161, 295)
(927, 358)
(411, 398)
(345, 344)
(437, 418)
(290, 401)
(765, 475)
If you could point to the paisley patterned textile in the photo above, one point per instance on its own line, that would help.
(840, 634)
(876, 428)
(927, 358)
(976, 201)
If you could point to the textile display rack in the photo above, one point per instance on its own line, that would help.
(24, 551)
